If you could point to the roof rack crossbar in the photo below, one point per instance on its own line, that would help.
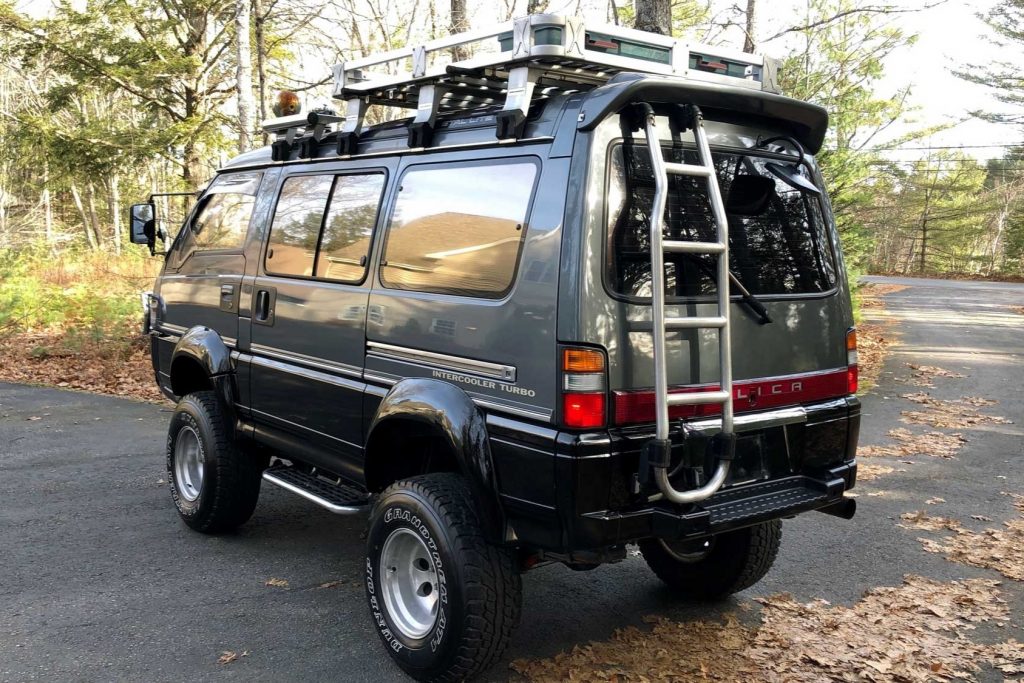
(509, 66)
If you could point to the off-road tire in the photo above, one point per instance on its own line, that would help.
(479, 583)
(231, 478)
(735, 561)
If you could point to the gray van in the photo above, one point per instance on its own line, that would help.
(590, 295)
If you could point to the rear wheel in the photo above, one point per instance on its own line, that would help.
(214, 484)
(443, 599)
(714, 567)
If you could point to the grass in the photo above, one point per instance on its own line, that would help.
(79, 300)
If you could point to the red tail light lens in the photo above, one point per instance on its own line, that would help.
(851, 361)
(583, 410)
(584, 388)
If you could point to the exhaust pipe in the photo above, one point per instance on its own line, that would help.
(845, 508)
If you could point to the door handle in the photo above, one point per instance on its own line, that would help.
(227, 298)
(262, 305)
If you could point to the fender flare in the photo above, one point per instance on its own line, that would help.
(206, 348)
(451, 414)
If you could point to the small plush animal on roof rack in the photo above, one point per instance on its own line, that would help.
(287, 104)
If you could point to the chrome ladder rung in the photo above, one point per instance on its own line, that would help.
(689, 169)
(695, 322)
(698, 398)
(678, 247)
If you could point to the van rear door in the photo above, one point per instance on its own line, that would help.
(782, 249)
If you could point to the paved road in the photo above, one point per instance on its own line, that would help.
(100, 581)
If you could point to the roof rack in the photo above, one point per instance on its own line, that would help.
(509, 66)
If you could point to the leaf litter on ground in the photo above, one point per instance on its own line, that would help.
(934, 444)
(999, 549)
(911, 633)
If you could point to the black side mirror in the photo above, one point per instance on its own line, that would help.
(143, 225)
(749, 195)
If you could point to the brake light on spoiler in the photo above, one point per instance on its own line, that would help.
(631, 407)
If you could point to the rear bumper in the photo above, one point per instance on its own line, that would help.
(590, 499)
(728, 509)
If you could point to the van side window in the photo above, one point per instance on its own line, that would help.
(459, 229)
(223, 220)
(296, 227)
(345, 243)
(323, 225)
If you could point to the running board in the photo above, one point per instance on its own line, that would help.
(336, 497)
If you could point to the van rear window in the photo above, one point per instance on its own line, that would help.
(780, 247)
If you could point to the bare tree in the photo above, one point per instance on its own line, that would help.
(654, 16)
(749, 41)
(243, 75)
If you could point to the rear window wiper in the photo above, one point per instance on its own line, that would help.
(750, 300)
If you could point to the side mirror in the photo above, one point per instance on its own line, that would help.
(143, 225)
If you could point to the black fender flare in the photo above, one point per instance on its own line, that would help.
(451, 414)
(206, 348)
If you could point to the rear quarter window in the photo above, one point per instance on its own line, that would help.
(458, 229)
(784, 249)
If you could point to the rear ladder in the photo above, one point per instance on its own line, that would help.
(658, 451)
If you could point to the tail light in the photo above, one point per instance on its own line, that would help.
(584, 388)
(851, 361)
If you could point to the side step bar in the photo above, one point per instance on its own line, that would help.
(339, 498)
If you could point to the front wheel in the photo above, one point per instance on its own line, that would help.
(714, 567)
(443, 599)
(214, 484)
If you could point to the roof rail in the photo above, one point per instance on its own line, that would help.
(518, 62)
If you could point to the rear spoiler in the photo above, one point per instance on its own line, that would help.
(729, 104)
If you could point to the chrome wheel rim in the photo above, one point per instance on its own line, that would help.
(409, 583)
(188, 463)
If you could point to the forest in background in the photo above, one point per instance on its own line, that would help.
(106, 101)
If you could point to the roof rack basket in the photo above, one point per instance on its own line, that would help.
(509, 66)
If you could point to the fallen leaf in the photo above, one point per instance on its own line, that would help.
(331, 584)
(277, 583)
(934, 501)
(227, 657)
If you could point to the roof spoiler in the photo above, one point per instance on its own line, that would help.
(729, 104)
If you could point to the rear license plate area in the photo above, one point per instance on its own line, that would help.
(749, 464)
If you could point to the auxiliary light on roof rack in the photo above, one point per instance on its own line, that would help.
(509, 66)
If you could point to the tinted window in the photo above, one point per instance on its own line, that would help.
(345, 244)
(223, 220)
(296, 227)
(782, 248)
(458, 229)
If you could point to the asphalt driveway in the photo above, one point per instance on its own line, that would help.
(100, 581)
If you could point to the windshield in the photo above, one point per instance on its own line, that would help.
(777, 241)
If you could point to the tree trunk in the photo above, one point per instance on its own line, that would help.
(89, 237)
(243, 75)
(749, 42)
(114, 206)
(536, 6)
(261, 60)
(459, 23)
(654, 16)
(47, 205)
(94, 218)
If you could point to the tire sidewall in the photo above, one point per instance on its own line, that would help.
(433, 652)
(188, 414)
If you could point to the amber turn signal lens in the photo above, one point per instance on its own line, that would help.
(582, 360)
(851, 339)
